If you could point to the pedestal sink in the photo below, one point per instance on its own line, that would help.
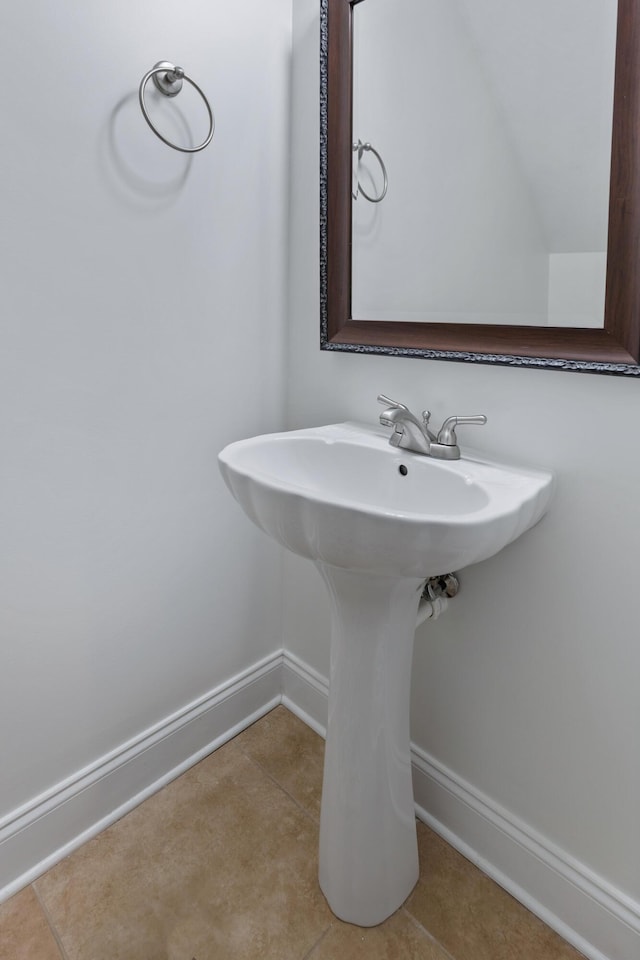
(377, 521)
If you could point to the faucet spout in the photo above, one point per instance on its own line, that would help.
(408, 432)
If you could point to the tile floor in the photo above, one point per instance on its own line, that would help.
(221, 865)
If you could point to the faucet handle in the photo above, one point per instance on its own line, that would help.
(447, 434)
(388, 402)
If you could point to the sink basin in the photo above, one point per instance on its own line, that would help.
(376, 521)
(342, 495)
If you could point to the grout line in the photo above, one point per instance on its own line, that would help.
(430, 937)
(316, 944)
(270, 776)
(50, 924)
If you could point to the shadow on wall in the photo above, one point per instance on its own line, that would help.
(141, 171)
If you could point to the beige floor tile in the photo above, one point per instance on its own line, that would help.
(24, 931)
(398, 938)
(471, 916)
(219, 864)
(291, 753)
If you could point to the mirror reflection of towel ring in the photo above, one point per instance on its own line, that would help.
(360, 147)
(168, 80)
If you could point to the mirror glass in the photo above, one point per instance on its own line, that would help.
(489, 123)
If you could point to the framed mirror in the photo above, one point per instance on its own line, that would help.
(365, 71)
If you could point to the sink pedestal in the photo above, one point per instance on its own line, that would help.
(368, 844)
(376, 521)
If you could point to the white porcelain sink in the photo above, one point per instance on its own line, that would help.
(376, 521)
(342, 495)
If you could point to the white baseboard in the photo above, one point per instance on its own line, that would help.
(305, 692)
(39, 834)
(599, 920)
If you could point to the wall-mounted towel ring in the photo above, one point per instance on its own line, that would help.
(360, 147)
(168, 80)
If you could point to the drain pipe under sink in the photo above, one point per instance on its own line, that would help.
(435, 597)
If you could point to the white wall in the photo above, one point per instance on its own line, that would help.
(142, 299)
(528, 688)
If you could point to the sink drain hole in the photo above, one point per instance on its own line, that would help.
(403, 470)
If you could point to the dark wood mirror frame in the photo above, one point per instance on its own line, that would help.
(613, 350)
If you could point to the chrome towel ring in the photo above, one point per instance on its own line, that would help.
(360, 147)
(168, 79)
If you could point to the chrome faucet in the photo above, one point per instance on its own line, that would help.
(409, 433)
